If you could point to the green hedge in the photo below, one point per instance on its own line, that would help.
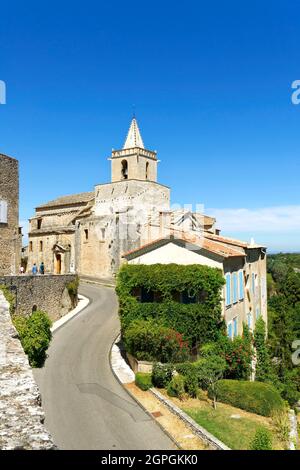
(197, 322)
(35, 336)
(143, 380)
(256, 397)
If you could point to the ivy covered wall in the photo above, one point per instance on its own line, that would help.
(171, 286)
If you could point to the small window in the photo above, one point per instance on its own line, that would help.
(147, 295)
(3, 212)
(124, 170)
(86, 233)
(41, 246)
(186, 298)
(30, 246)
(147, 170)
(228, 289)
(39, 224)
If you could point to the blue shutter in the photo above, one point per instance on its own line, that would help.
(229, 330)
(228, 289)
(253, 283)
(235, 327)
(257, 313)
(241, 285)
(249, 320)
(235, 288)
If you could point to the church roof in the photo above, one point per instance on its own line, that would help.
(71, 199)
(134, 138)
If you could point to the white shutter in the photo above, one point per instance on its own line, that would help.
(3, 212)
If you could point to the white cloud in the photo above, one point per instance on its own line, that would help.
(268, 219)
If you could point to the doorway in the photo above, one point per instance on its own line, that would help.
(58, 263)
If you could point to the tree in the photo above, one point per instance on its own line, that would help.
(263, 360)
(290, 287)
(210, 371)
(282, 325)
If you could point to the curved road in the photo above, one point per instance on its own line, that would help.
(85, 406)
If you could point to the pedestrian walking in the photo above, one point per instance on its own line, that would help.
(34, 269)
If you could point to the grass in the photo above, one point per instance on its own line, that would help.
(236, 433)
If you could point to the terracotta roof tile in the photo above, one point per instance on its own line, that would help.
(71, 199)
(201, 243)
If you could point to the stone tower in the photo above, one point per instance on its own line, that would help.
(133, 162)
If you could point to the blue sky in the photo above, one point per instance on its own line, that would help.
(211, 84)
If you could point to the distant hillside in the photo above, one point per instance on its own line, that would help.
(289, 259)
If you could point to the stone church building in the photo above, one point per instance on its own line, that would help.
(89, 232)
(130, 219)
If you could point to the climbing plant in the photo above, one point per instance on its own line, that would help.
(198, 321)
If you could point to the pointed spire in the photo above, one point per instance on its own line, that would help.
(134, 138)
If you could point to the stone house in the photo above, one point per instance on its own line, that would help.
(242, 264)
(10, 233)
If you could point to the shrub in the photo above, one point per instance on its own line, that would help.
(256, 397)
(197, 322)
(150, 341)
(162, 375)
(237, 354)
(280, 419)
(35, 336)
(191, 384)
(176, 387)
(143, 380)
(262, 440)
(263, 361)
(191, 380)
(72, 289)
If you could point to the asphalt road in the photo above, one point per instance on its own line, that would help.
(85, 406)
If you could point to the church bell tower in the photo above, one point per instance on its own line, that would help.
(133, 162)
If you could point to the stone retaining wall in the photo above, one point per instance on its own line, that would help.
(21, 416)
(48, 293)
(206, 436)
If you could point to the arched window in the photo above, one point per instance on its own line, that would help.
(124, 169)
(147, 170)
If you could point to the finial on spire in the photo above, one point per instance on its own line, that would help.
(134, 138)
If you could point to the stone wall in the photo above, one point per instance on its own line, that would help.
(10, 239)
(21, 416)
(48, 293)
